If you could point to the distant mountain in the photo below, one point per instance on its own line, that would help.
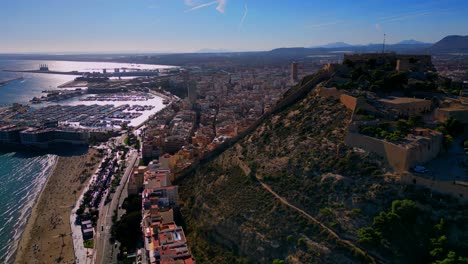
(334, 45)
(213, 51)
(411, 42)
(451, 44)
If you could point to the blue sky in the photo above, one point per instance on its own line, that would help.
(191, 25)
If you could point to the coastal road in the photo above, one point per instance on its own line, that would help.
(103, 248)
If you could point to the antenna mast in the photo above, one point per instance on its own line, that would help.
(383, 46)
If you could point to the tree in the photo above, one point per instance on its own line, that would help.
(369, 235)
(403, 126)
(452, 259)
(453, 126)
(62, 235)
(439, 246)
(127, 231)
(448, 141)
(415, 120)
(301, 242)
(406, 209)
(349, 63)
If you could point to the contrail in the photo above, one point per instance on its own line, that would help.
(221, 5)
(246, 11)
(201, 6)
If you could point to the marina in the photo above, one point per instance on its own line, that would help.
(93, 116)
(119, 97)
(36, 123)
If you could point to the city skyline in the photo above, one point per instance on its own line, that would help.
(237, 25)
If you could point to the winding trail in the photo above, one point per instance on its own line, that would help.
(345, 242)
(246, 169)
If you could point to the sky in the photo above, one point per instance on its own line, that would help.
(58, 26)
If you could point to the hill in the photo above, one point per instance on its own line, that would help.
(291, 191)
(334, 45)
(411, 42)
(451, 44)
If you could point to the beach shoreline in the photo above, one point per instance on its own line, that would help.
(46, 237)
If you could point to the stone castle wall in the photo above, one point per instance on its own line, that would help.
(399, 157)
(329, 92)
(349, 101)
(443, 115)
(395, 155)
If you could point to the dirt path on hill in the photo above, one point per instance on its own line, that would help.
(246, 169)
(345, 242)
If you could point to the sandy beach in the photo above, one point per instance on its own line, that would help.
(47, 236)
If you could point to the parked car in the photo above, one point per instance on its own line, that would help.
(420, 169)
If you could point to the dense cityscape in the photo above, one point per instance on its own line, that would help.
(162, 151)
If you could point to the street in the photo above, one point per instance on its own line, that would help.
(104, 251)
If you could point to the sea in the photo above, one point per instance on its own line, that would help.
(23, 174)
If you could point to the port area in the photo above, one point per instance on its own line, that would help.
(44, 69)
(133, 109)
(98, 84)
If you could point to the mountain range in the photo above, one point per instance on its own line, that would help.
(448, 44)
(335, 45)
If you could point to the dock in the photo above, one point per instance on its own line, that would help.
(48, 72)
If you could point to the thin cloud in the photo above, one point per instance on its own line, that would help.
(406, 17)
(411, 15)
(195, 6)
(246, 12)
(201, 6)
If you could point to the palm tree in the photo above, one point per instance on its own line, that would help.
(62, 235)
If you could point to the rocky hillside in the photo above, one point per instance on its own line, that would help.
(291, 192)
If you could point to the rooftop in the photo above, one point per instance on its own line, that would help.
(401, 100)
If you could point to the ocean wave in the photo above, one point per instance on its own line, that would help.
(24, 178)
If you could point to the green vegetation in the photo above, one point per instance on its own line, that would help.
(407, 232)
(127, 230)
(392, 131)
(451, 129)
(132, 140)
(381, 76)
(88, 243)
(374, 78)
(382, 131)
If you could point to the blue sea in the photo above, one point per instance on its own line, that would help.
(22, 175)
